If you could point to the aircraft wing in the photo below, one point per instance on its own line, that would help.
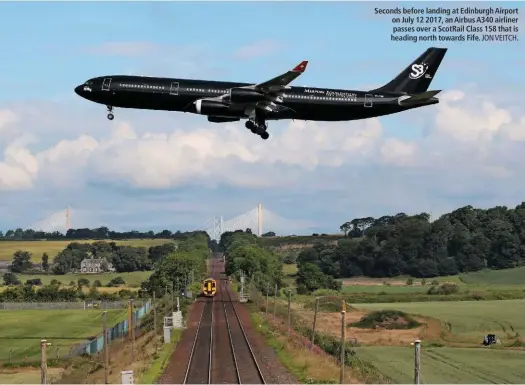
(281, 81)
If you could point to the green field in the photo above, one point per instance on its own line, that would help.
(495, 277)
(21, 330)
(467, 321)
(52, 248)
(448, 365)
(376, 289)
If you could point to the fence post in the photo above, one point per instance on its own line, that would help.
(58, 353)
(10, 352)
(417, 361)
(289, 309)
(275, 301)
(43, 364)
(343, 337)
(155, 320)
(267, 289)
(132, 327)
(315, 321)
(106, 352)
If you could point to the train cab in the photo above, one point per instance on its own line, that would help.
(209, 287)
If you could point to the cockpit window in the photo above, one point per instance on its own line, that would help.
(89, 83)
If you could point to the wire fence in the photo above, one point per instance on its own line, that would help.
(62, 346)
(73, 305)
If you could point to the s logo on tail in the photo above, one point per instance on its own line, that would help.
(418, 70)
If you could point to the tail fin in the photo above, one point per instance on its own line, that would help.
(417, 76)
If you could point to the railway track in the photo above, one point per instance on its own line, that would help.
(199, 365)
(247, 368)
(221, 351)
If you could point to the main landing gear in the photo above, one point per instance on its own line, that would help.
(258, 128)
(110, 113)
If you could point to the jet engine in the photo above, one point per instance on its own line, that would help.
(210, 107)
(221, 119)
(245, 95)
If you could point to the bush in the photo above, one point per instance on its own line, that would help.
(445, 289)
(34, 282)
(386, 319)
(410, 281)
(115, 282)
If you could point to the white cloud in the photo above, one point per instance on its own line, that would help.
(474, 146)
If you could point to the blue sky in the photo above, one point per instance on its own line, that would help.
(49, 48)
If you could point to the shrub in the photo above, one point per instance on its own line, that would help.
(445, 289)
(386, 319)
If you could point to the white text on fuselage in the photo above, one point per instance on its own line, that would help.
(332, 94)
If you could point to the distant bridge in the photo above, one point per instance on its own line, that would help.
(258, 219)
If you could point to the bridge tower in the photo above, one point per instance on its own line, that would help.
(259, 220)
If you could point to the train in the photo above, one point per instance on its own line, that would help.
(209, 287)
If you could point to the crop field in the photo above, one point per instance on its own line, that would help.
(467, 321)
(448, 365)
(21, 331)
(52, 248)
(496, 277)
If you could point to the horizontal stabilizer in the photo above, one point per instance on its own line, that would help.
(406, 100)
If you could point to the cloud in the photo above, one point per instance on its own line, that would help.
(181, 167)
(258, 49)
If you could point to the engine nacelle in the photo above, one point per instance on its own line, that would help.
(245, 95)
(210, 107)
(221, 119)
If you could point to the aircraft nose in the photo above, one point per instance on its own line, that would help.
(78, 90)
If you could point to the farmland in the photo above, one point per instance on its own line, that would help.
(21, 330)
(467, 321)
(52, 248)
(448, 365)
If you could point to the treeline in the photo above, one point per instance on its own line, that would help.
(34, 291)
(243, 251)
(246, 252)
(181, 269)
(464, 240)
(83, 234)
(121, 258)
(175, 271)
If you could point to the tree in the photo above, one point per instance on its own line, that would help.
(11, 279)
(21, 262)
(45, 262)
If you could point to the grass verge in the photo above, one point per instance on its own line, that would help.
(160, 359)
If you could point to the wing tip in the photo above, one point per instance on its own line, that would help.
(301, 67)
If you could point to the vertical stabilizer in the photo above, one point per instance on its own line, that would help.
(416, 78)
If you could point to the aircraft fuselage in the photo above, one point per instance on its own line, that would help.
(304, 103)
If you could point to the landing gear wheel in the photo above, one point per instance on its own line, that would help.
(110, 113)
(250, 125)
(265, 135)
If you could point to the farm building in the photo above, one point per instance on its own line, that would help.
(96, 266)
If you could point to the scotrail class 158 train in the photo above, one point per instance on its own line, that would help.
(209, 287)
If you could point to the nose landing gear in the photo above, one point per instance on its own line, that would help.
(110, 113)
(258, 128)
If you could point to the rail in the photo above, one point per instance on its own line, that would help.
(245, 337)
(194, 370)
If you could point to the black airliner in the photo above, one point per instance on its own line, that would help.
(270, 100)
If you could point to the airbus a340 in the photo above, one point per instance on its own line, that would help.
(274, 99)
